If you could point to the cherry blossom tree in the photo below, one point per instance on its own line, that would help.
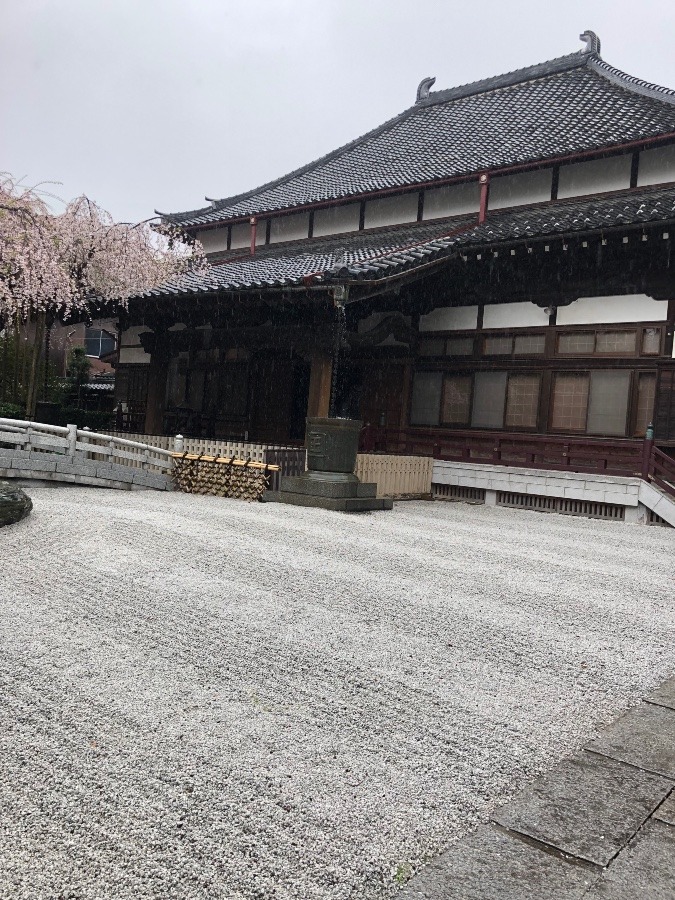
(71, 265)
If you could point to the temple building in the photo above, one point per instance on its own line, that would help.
(496, 258)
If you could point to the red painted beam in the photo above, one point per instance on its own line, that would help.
(254, 230)
(484, 182)
(546, 163)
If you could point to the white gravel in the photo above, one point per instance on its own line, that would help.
(204, 698)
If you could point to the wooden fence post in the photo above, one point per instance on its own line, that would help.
(647, 447)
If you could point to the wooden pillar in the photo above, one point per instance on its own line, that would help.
(157, 377)
(318, 402)
(403, 420)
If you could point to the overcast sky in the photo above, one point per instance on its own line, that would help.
(145, 104)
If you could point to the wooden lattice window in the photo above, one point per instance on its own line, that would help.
(522, 401)
(570, 401)
(456, 400)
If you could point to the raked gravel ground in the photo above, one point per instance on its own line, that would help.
(202, 698)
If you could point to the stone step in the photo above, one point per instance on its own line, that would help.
(337, 504)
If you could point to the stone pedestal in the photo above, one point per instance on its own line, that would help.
(329, 482)
(14, 504)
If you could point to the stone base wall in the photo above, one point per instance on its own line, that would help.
(490, 483)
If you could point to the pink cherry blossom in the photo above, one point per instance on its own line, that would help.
(67, 264)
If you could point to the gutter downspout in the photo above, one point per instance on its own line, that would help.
(340, 299)
(484, 182)
(254, 229)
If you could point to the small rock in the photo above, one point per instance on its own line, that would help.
(14, 504)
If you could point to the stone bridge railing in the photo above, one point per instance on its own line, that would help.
(68, 453)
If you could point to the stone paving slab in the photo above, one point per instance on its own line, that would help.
(493, 865)
(644, 737)
(589, 806)
(664, 695)
(645, 870)
(666, 812)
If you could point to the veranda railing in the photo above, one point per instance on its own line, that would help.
(609, 456)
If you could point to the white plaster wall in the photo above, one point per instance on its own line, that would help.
(391, 211)
(261, 232)
(241, 235)
(516, 190)
(369, 322)
(289, 228)
(337, 219)
(374, 319)
(450, 318)
(595, 176)
(513, 315)
(607, 310)
(451, 200)
(134, 355)
(657, 166)
(214, 240)
(131, 337)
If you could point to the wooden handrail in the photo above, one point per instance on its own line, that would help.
(612, 456)
(662, 471)
(609, 456)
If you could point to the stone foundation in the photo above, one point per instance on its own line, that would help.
(342, 494)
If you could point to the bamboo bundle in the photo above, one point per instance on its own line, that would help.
(221, 476)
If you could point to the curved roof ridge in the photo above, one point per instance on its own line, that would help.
(631, 82)
(431, 139)
(517, 76)
(539, 70)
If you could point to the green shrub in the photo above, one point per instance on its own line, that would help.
(85, 418)
(11, 411)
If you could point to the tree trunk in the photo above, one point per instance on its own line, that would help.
(48, 342)
(17, 356)
(38, 342)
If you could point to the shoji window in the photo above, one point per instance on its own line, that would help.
(456, 400)
(459, 346)
(651, 341)
(426, 398)
(522, 401)
(646, 393)
(608, 403)
(570, 402)
(595, 403)
(615, 342)
(488, 399)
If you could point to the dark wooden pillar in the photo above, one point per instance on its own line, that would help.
(157, 377)
(406, 392)
(320, 378)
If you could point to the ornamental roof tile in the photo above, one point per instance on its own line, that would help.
(370, 255)
(573, 104)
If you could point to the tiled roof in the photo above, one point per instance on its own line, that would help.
(568, 105)
(567, 216)
(375, 254)
(279, 265)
